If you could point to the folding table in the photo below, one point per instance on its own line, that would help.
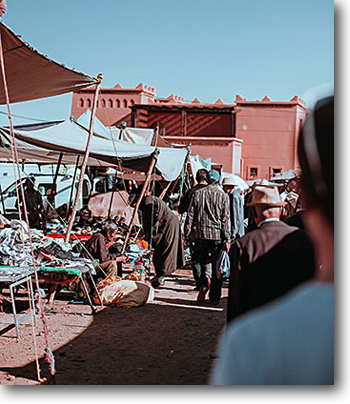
(77, 272)
(14, 276)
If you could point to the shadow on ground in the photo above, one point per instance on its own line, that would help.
(156, 344)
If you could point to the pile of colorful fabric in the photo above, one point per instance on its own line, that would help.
(138, 274)
(15, 249)
(135, 253)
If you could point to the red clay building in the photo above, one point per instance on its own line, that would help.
(209, 129)
(253, 139)
(114, 104)
(269, 130)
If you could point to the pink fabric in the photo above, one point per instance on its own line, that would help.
(31, 75)
(3, 7)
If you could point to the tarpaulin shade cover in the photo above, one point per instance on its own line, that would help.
(140, 136)
(100, 206)
(31, 75)
(98, 128)
(70, 137)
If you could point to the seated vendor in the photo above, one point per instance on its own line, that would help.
(97, 248)
(33, 202)
(62, 211)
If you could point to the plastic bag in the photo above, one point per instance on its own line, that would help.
(223, 265)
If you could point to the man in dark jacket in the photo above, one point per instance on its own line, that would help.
(270, 260)
(162, 229)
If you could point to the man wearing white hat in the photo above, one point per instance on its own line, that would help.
(270, 260)
(231, 187)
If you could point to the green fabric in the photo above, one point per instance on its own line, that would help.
(71, 271)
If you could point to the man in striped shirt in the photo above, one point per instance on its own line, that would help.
(209, 217)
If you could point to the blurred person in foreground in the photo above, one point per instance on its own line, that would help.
(291, 342)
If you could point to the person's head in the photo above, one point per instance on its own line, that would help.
(229, 184)
(109, 230)
(262, 213)
(316, 157)
(202, 176)
(293, 186)
(30, 181)
(213, 177)
(266, 202)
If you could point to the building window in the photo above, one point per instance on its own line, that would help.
(81, 103)
(274, 171)
(97, 104)
(253, 172)
(88, 103)
(125, 103)
(103, 102)
(118, 104)
(132, 102)
(110, 103)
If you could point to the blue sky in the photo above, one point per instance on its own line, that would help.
(192, 48)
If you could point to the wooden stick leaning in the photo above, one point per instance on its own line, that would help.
(144, 189)
(85, 161)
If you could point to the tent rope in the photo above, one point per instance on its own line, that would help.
(23, 201)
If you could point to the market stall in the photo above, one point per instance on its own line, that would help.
(27, 75)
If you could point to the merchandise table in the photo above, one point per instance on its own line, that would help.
(17, 276)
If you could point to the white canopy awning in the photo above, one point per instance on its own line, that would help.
(70, 138)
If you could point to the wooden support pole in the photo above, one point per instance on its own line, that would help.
(85, 160)
(143, 190)
(165, 190)
(51, 197)
(73, 185)
(2, 201)
(183, 123)
(155, 136)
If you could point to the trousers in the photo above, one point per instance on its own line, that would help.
(205, 255)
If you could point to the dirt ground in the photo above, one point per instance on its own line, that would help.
(171, 341)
